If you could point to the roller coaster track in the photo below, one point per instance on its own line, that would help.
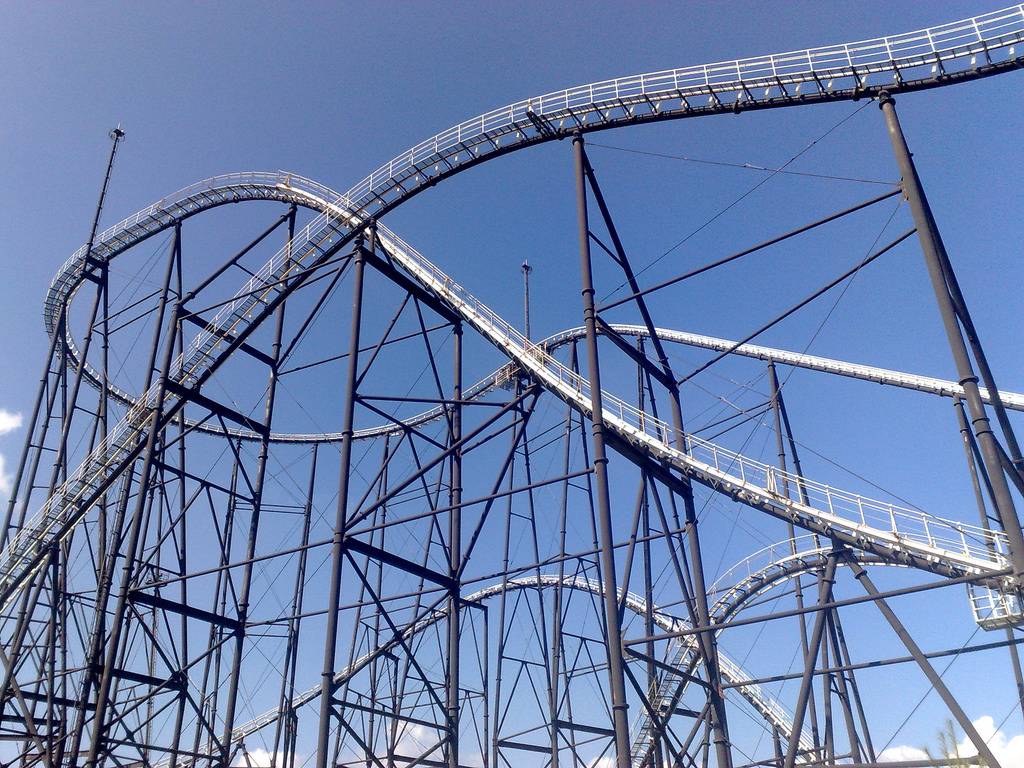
(749, 578)
(963, 50)
(766, 705)
(752, 576)
(935, 544)
(974, 48)
(62, 293)
(291, 188)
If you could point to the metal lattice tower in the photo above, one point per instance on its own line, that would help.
(347, 514)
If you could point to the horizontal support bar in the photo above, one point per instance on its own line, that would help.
(163, 604)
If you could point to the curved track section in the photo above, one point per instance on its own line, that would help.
(902, 534)
(766, 705)
(941, 55)
(63, 289)
(884, 533)
(743, 582)
(164, 214)
(751, 577)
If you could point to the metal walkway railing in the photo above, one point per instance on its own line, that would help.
(888, 529)
(960, 49)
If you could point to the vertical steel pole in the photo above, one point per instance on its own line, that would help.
(527, 269)
(810, 660)
(50, 660)
(341, 518)
(709, 643)
(617, 681)
(706, 638)
(845, 698)
(554, 683)
(104, 588)
(970, 451)
(798, 592)
(254, 527)
(455, 556)
(130, 552)
(931, 245)
(116, 135)
(486, 696)
(182, 545)
(654, 757)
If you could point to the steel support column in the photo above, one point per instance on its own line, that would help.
(341, 519)
(455, 556)
(617, 681)
(938, 268)
(798, 589)
(811, 659)
(663, 372)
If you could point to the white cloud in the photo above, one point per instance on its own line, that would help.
(899, 754)
(415, 739)
(5, 479)
(257, 758)
(9, 421)
(1009, 750)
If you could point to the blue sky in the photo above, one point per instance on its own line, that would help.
(332, 90)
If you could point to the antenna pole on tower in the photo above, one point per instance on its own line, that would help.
(527, 269)
(116, 135)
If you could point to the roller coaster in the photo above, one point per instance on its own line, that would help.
(286, 532)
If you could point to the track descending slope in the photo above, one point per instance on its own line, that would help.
(902, 534)
(898, 533)
(977, 47)
(937, 56)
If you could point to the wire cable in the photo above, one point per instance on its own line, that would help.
(708, 222)
(744, 166)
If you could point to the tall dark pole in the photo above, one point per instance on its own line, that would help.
(970, 452)
(116, 135)
(938, 269)
(341, 520)
(798, 591)
(527, 269)
(131, 548)
(706, 638)
(245, 588)
(455, 564)
(617, 681)
(810, 660)
(57, 343)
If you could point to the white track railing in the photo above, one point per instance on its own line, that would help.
(901, 379)
(69, 502)
(898, 527)
(895, 526)
(291, 188)
(981, 35)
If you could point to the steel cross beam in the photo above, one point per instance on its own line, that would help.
(940, 271)
(36, 556)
